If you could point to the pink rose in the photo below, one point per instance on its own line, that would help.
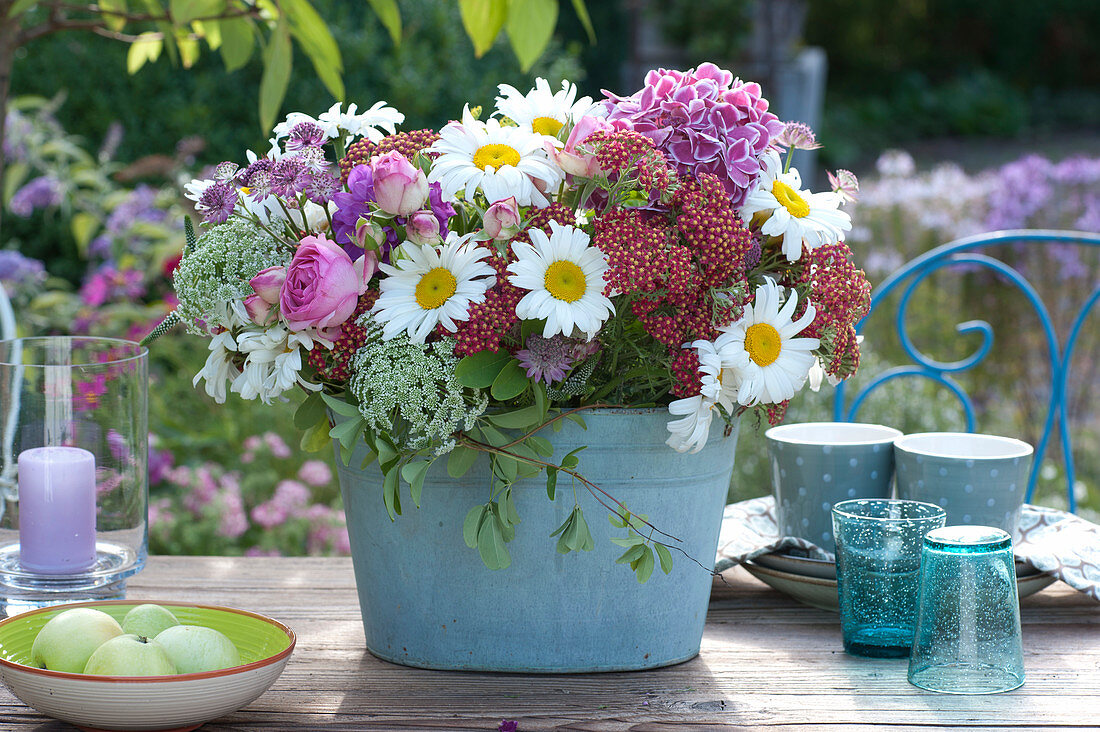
(267, 284)
(368, 234)
(422, 228)
(323, 285)
(502, 220)
(569, 159)
(399, 186)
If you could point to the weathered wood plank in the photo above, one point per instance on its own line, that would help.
(766, 663)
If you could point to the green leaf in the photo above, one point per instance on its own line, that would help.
(460, 461)
(527, 468)
(387, 453)
(483, 20)
(665, 556)
(478, 370)
(146, 48)
(578, 419)
(530, 27)
(84, 225)
(389, 493)
(388, 12)
(472, 524)
(510, 382)
(510, 507)
(316, 40)
(644, 567)
(340, 406)
(238, 40)
(111, 11)
(526, 417)
(278, 58)
(564, 526)
(21, 6)
(631, 554)
(632, 540)
(551, 483)
(507, 530)
(189, 49)
(414, 474)
(316, 438)
(310, 411)
(571, 460)
(586, 22)
(490, 545)
(541, 445)
(13, 179)
(184, 11)
(588, 544)
(541, 401)
(505, 467)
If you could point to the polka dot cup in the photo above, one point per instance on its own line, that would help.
(977, 479)
(817, 464)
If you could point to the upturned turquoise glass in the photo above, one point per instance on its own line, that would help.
(878, 550)
(968, 624)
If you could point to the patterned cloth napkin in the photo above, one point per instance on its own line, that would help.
(1058, 543)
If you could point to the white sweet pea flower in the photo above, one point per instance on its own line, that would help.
(272, 364)
(364, 124)
(219, 366)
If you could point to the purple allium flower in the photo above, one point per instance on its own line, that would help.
(321, 188)
(305, 134)
(289, 177)
(352, 205)
(217, 202)
(41, 192)
(312, 158)
(18, 271)
(705, 120)
(797, 135)
(546, 358)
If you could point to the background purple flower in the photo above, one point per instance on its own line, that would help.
(41, 192)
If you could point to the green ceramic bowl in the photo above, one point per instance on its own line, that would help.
(180, 702)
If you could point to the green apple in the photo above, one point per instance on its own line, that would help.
(148, 620)
(195, 649)
(130, 655)
(68, 639)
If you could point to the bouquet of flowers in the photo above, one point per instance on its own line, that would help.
(455, 292)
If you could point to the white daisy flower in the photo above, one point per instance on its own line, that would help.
(501, 161)
(770, 363)
(430, 286)
(542, 111)
(690, 432)
(564, 277)
(800, 217)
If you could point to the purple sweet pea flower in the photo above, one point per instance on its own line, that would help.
(351, 206)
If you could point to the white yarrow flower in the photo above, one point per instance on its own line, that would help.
(430, 286)
(500, 161)
(564, 277)
(800, 217)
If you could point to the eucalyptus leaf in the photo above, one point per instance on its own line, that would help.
(316, 438)
(510, 382)
(551, 483)
(389, 494)
(387, 453)
(665, 556)
(631, 554)
(479, 370)
(340, 406)
(541, 445)
(414, 474)
(310, 411)
(520, 418)
(460, 461)
(471, 525)
(644, 567)
(490, 545)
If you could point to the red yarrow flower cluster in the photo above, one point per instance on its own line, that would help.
(335, 364)
(625, 152)
(685, 372)
(407, 143)
(842, 296)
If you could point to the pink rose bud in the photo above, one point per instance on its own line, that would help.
(323, 285)
(260, 311)
(267, 283)
(399, 186)
(368, 234)
(570, 159)
(422, 228)
(502, 220)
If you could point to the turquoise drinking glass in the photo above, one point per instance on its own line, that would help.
(968, 624)
(878, 551)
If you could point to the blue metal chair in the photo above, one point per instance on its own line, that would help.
(965, 252)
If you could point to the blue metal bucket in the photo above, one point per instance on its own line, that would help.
(427, 600)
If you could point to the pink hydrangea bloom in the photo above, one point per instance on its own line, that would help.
(705, 120)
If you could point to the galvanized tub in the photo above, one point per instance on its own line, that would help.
(428, 601)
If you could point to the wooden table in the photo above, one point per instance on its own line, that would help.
(766, 663)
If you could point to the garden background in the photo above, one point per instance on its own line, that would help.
(958, 116)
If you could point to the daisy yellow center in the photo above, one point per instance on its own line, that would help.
(435, 287)
(565, 280)
(495, 155)
(546, 126)
(762, 343)
(789, 199)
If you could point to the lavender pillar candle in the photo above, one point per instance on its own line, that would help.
(57, 510)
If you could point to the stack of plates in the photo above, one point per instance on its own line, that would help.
(813, 581)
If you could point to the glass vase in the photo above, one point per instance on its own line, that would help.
(73, 469)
